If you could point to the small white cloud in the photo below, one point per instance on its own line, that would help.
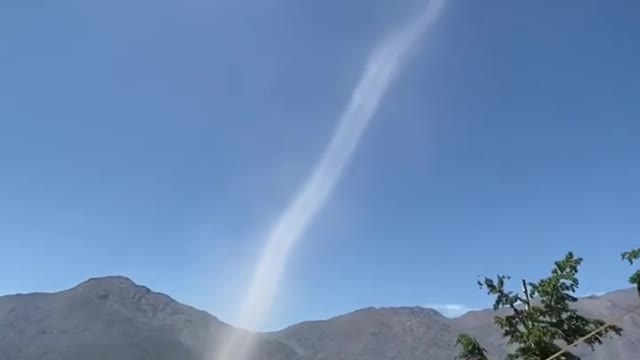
(451, 310)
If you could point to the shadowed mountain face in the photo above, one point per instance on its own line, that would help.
(112, 318)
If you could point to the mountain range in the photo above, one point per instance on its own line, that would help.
(113, 318)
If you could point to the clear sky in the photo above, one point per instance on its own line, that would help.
(160, 139)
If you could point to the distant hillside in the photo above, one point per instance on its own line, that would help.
(109, 318)
(112, 318)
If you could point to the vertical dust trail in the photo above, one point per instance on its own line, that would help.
(379, 71)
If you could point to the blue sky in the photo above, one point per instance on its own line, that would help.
(160, 139)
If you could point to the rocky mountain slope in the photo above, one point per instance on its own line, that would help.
(112, 318)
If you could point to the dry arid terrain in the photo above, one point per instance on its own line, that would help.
(112, 318)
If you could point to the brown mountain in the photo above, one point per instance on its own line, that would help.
(113, 318)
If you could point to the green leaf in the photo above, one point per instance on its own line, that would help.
(470, 348)
(550, 321)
